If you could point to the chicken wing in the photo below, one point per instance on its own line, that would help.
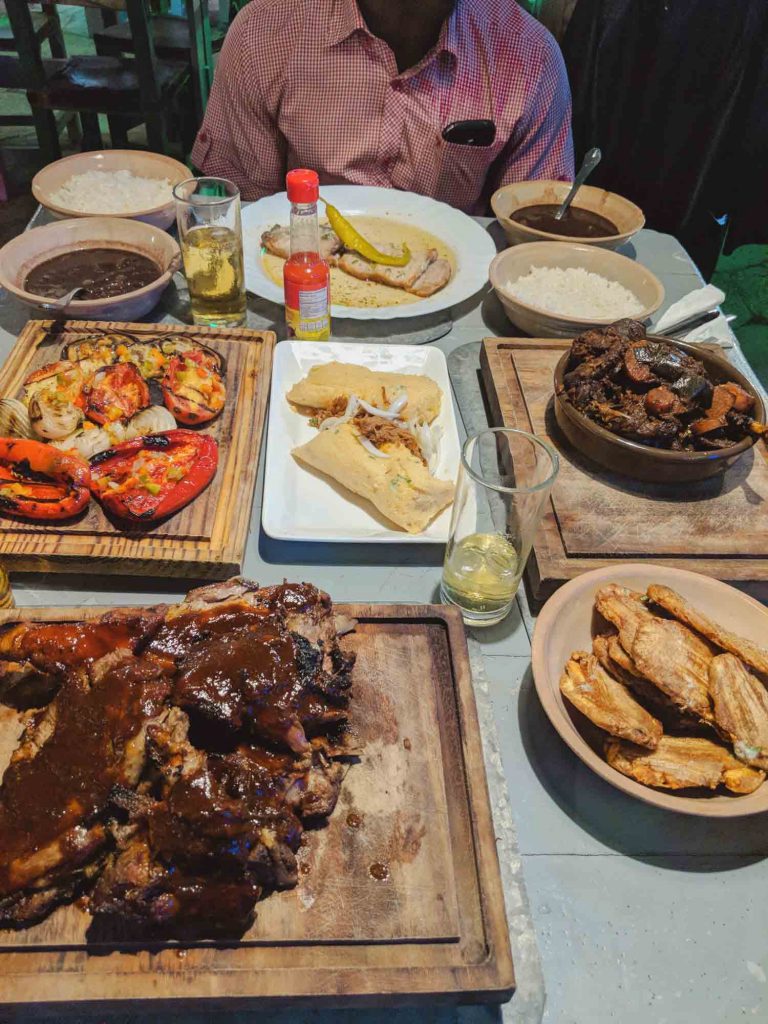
(754, 656)
(677, 661)
(625, 609)
(741, 709)
(618, 663)
(683, 762)
(607, 703)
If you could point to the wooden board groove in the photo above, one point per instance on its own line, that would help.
(412, 682)
(205, 540)
(717, 527)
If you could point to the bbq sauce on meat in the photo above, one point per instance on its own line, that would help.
(178, 838)
(577, 222)
(66, 783)
(251, 677)
(101, 273)
(63, 645)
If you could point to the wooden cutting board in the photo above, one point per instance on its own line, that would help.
(413, 810)
(718, 527)
(204, 540)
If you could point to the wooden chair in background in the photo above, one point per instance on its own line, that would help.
(46, 27)
(192, 39)
(141, 87)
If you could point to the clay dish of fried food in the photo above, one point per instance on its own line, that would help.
(684, 649)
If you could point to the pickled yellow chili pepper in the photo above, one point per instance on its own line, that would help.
(352, 239)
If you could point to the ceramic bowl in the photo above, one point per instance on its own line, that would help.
(139, 162)
(567, 623)
(28, 249)
(640, 461)
(627, 217)
(513, 263)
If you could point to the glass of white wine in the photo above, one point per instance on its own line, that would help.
(211, 239)
(505, 478)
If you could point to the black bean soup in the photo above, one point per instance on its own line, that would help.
(102, 273)
(577, 222)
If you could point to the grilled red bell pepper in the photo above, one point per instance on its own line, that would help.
(37, 481)
(193, 389)
(151, 477)
(115, 393)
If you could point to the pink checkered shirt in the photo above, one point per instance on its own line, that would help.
(303, 83)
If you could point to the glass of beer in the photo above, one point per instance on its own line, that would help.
(211, 238)
(505, 478)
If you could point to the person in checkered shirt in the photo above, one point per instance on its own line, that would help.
(363, 91)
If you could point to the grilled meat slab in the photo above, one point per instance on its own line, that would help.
(175, 833)
(56, 790)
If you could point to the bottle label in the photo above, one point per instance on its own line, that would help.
(306, 312)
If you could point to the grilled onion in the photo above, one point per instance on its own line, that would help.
(14, 419)
(53, 418)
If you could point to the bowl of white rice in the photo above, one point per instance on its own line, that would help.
(128, 183)
(558, 289)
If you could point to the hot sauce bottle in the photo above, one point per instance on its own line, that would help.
(306, 277)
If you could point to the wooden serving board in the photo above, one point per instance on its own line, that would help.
(416, 804)
(206, 539)
(718, 527)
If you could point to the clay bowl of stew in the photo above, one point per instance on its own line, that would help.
(105, 254)
(641, 461)
(596, 216)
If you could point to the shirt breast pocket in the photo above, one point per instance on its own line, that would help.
(462, 171)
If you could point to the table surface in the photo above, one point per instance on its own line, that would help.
(640, 915)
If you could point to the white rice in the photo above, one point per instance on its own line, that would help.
(112, 192)
(574, 291)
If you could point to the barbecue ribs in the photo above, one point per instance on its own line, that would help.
(169, 775)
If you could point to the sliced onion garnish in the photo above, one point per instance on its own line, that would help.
(372, 410)
(371, 448)
(349, 412)
(399, 403)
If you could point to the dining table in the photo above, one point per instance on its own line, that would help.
(618, 911)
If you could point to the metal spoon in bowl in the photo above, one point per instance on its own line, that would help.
(61, 303)
(591, 160)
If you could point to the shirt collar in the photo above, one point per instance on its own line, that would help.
(349, 20)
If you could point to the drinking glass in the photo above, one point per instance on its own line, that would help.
(211, 238)
(505, 478)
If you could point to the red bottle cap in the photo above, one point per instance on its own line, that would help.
(302, 186)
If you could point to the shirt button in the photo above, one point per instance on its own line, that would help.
(203, 136)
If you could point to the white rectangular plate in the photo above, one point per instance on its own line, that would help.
(300, 504)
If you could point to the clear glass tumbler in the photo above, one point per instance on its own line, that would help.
(505, 478)
(211, 239)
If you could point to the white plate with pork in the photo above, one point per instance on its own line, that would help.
(450, 251)
(309, 470)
